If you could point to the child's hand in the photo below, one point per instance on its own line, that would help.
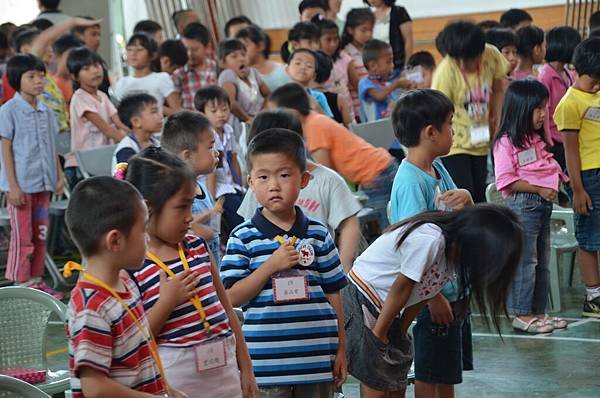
(60, 184)
(440, 310)
(284, 258)
(16, 197)
(547, 193)
(340, 367)
(84, 22)
(173, 393)
(249, 387)
(178, 290)
(582, 203)
(457, 199)
(218, 207)
(406, 84)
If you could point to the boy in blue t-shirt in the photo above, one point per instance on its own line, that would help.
(422, 122)
(380, 89)
(283, 269)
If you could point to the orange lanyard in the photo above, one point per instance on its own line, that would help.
(73, 266)
(195, 300)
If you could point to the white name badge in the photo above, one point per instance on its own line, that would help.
(480, 135)
(415, 74)
(527, 157)
(592, 114)
(290, 288)
(211, 355)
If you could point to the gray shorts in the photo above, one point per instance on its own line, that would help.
(380, 366)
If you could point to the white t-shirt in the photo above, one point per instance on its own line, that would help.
(225, 146)
(159, 85)
(421, 258)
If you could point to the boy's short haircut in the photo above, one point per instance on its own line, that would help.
(197, 31)
(42, 24)
(133, 105)
(278, 140)
(595, 20)
(229, 46)
(174, 50)
(462, 40)
(97, 206)
(20, 64)
(417, 110)
(595, 33)
(208, 94)
(513, 17)
(176, 16)
(372, 51)
(561, 43)
(3, 41)
(49, 4)
(144, 40)
(240, 19)
(257, 36)
(277, 118)
(148, 26)
(183, 130)
(527, 38)
(81, 29)
(25, 37)
(323, 66)
(423, 59)
(65, 43)
(291, 96)
(488, 24)
(501, 37)
(306, 4)
(586, 58)
(80, 57)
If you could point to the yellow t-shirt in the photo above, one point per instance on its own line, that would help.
(580, 111)
(470, 93)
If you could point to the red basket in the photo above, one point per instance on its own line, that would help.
(31, 376)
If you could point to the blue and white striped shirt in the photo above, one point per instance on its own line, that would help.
(291, 342)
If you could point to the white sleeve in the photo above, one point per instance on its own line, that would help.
(165, 84)
(420, 250)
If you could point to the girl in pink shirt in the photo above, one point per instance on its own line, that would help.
(529, 177)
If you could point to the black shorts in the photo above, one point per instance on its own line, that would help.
(442, 352)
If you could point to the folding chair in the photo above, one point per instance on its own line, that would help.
(379, 133)
(96, 162)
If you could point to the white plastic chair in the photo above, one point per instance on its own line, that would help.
(15, 388)
(562, 241)
(379, 133)
(96, 162)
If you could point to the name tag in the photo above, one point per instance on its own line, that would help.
(592, 114)
(480, 135)
(211, 355)
(290, 288)
(527, 157)
(415, 74)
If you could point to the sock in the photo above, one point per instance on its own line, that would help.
(592, 292)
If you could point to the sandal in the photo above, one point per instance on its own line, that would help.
(534, 326)
(557, 322)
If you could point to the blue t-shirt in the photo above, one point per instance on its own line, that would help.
(413, 192)
(322, 100)
(371, 109)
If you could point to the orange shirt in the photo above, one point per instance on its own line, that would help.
(66, 86)
(351, 156)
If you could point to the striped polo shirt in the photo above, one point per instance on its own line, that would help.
(103, 336)
(290, 342)
(184, 327)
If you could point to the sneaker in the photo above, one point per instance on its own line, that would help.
(591, 308)
(41, 286)
(534, 326)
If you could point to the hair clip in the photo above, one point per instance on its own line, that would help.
(120, 171)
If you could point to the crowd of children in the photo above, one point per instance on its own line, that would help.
(232, 188)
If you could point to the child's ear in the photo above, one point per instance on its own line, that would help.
(250, 182)
(114, 241)
(305, 179)
(136, 121)
(429, 132)
(185, 154)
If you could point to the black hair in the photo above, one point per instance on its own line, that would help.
(41, 24)
(197, 31)
(133, 105)
(305, 4)
(355, 18)
(501, 37)
(388, 3)
(80, 57)
(560, 44)
(65, 43)
(158, 175)
(488, 24)
(174, 50)
(97, 206)
(278, 118)
(595, 33)
(146, 41)
(595, 20)
(483, 245)
(513, 17)
(327, 25)
(49, 4)
(81, 29)
(257, 36)
(292, 96)
(183, 130)
(240, 19)
(300, 31)
(24, 37)
(417, 110)
(463, 40)
(147, 25)
(521, 99)
(323, 66)
(3, 41)
(421, 58)
(586, 58)
(372, 51)
(527, 38)
(229, 46)
(20, 64)
(440, 43)
(210, 93)
(278, 140)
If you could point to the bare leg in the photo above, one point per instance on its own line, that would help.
(368, 392)
(431, 390)
(588, 265)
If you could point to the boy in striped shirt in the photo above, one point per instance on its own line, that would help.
(284, 270)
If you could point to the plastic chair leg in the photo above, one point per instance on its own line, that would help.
(554, 280)
(57, 279)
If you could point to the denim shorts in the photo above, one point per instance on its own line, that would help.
(587, 228)
(380, 366)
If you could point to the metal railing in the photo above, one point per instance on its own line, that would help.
(578, 12)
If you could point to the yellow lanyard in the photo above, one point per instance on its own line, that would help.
(73, 266)
(195, 300)
(282, 241)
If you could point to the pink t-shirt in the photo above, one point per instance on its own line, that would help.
(557, 88)
(534, 164)
(338, 81)
(361, 71)
(84, 134)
